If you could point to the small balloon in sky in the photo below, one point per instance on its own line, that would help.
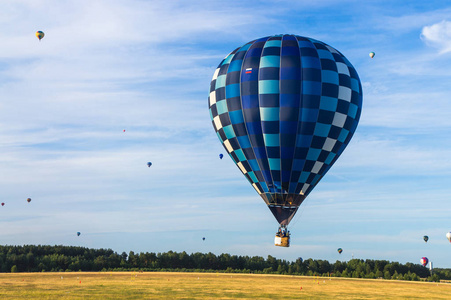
(425, 238)
(78, 233)
(339, 250)
(40, 35)
(149, 164)
(424, 261)
(448, 236)
(372, 54)
(203, 239)
(3, 203)
(123, 130)
(221, 156)
(28, 200)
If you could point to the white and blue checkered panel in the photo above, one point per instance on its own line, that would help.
(285, 107)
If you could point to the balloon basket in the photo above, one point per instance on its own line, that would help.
(283, 241)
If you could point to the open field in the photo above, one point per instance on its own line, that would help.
(134, 285)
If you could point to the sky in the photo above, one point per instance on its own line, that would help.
(105, 66)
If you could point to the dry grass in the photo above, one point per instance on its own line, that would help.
(133, 285)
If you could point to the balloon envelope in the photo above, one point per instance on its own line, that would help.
(339, 250)
(424, 261)
(28, 200)
(448, 236)
(221, 156)
(372, 54)
(3, 204)
(39, 34)
(285, 107)
(149, 164)
(425, 238)
(78, 233)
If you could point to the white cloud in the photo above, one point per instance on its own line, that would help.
(409, 20)
(86, 28)
(438, 35)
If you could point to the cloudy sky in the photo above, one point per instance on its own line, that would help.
(145, 67)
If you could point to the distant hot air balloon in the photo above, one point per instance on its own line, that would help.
(149, 164)
(78, 233)
(372, 54)
(123, 130)
(448, 236)
(285, 107)
(203, 239)
(221, 156)
(3, 204)
(28, 200)
(425, 238)
(339, 250)
(424, 261)
(40, 35)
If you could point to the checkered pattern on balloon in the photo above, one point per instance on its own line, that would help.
(284, 108)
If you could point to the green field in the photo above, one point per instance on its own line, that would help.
(159, 285)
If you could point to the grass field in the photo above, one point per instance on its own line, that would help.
(134, 285)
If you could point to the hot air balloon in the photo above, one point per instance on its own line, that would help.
(78, 233)
(339, 250)
(221, 156)
(448, 236)
(425, 238)
(372, 54)
(149, 164)
(424, 261)
(285, 107)
(203, 239)
(28, 200)
(3, 204)
(40, 35)
(123, 130)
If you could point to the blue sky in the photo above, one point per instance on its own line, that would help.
(146, 66)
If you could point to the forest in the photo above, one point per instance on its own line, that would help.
(58, 258)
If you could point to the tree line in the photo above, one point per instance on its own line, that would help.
(45, 258)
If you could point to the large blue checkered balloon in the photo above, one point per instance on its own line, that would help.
(285, 107)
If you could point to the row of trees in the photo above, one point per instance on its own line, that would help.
(31, 258)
